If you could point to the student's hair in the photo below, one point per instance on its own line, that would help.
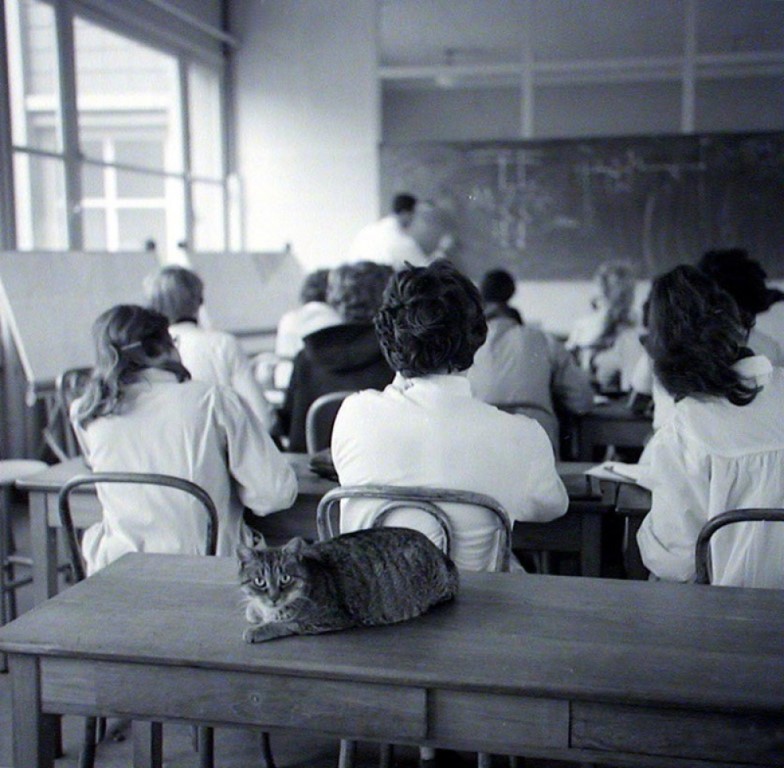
(355, 290)
(175, 292)
(128, 340)
(616, 283)
(431, 320)
(742, 277)
(404, 203)
(314, 286)
(496, 288)
(695, 336)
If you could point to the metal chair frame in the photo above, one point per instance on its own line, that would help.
(205, 735)
(311, 424)
(702, 547)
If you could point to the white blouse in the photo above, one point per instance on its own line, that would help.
(191, 430)
(430, 431)
(711, 457)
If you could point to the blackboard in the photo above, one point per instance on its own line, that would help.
(556, 209)
(246, 293)
(49, 300)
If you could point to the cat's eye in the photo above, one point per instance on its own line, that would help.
(260, 582)
(284, 578)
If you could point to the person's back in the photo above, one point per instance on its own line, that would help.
(426, 429)
(160, 422)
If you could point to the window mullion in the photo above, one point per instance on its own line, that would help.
(185, 126)
(70, 122)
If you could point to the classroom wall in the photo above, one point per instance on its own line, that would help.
(307, 124)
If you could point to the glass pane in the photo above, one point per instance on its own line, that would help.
(94, 226)
(40, 202)
(33, 74)
(92, 180)
(204, 93)
(130, 184)
(208, 225)
(137, 227)
(127, 90)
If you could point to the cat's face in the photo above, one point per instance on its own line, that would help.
(273, 581)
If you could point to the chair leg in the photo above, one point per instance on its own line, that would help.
(483, 760)
(147, 744)
(267, 759)
(385, 756)
(206, 747)
(87, 755)
(5, 590)
(348, 753)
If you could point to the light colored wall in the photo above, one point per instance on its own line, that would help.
(307, 124)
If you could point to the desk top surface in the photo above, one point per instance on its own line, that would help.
(563, 637)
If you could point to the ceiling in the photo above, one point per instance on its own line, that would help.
(457, 41)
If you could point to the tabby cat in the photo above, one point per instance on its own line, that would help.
(361, 579)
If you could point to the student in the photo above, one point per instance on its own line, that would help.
(345, 356)
(142, 412)
(389, 240)
(723, 447)
(606, 342)
(426, 429)
(518, 363)
(209, 355)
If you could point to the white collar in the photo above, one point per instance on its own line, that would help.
(755, 367)
(456, 383)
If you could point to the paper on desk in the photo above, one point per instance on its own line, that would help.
(616, 470)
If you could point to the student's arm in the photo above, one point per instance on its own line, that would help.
(245, 384)
(542, 495)
(265, 480)
(678, 475)
(570, 384)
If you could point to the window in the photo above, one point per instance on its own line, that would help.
(142, 160)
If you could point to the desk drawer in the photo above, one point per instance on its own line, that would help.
(506, 724)
(359, 710)
(755, 739)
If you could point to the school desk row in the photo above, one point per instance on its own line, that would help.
(578, 532)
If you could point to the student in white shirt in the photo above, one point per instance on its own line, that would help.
(209, 355)
(143, 413)
(427, 429)
(723, 446)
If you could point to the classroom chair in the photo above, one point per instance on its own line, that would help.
(205, 735)
(11, 470)
(320, 418)
(69, 385)
(427, 500)
(702, 547)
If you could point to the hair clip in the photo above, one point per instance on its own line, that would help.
(132, 345)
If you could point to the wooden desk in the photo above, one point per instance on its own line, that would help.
(578, 531)
(611, 423)
(599, 670)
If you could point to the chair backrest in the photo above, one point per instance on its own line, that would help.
(702, 548)
(428, 500)
(69, 386)
(320, 418)
(64, 508)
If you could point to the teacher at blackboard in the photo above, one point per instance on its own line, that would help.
(388, 240)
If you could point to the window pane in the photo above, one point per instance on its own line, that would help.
(94, 226)
(124, 87)
(92, 180)
(204, 93)
(130, 184)
(33, 75)
(40, 202)
(137, 227)
(208, 229)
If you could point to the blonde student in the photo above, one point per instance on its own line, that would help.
(142, 412)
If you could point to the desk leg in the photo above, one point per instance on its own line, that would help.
(34, 732)
(147, 744)
(632, 559)
(591, 544)
(43, 544)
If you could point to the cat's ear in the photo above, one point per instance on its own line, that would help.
(245, 554)
(295, 546)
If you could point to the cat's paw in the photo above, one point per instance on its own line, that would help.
(254, 635)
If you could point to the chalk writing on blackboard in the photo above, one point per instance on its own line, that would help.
(556, 209)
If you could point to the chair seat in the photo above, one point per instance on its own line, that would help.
(12, 470)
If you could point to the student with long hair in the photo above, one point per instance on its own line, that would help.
(141, 412)
(723, 446)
